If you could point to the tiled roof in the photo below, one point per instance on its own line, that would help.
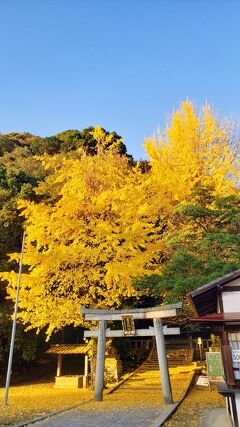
(216, 282)
(204, 299)
(69, 349)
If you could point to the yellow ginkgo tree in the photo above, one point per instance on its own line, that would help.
(196, 150)
(85, 244)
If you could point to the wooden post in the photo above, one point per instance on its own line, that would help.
(86, 365)
(59, 365)
(162, 360)
(101, 348)
(85, 378)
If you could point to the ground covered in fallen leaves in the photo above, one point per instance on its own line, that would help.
(142, 390)
(189, 413)
(31, 400)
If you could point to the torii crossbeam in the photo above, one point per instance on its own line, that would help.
(127, 317)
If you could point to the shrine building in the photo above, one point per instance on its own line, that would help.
(217, 304)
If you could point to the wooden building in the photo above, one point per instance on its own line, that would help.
(71, 381)
(218, 305)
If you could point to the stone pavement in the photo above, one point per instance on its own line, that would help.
(217, 417)
(130, 417)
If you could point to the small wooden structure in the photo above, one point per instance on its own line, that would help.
(68, 381)
(127, 318)
(218, 304)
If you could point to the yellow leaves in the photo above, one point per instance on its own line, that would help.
(100, 135)
(196, 151)
(153, 149)
(85, 248)
(105, 140)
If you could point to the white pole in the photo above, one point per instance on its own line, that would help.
(9, 370)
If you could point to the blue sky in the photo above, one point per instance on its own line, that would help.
(122, 64)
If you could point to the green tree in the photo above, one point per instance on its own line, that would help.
(205, 245)
(6, 145)
(49, 145)
(90, 139)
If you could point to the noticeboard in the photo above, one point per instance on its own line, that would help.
(214, 364)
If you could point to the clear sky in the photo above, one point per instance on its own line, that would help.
(122, 64)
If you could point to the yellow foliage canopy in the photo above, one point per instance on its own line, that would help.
(196, 151)
(84, 249)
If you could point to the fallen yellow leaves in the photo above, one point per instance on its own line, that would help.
(143, 389)
(190, 411)
(32, 400)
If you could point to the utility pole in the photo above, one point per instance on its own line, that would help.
(9, 370)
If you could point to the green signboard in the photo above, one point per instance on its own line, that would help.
(214, 364)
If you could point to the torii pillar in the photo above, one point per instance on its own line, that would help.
(101, 349)
(162, 360)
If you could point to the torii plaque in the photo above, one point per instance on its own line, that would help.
(127, 317)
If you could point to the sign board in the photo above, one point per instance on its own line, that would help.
(202, 382)
(236, 356)
(214, 364)
(128, 325)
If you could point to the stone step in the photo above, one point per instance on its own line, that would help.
(176, 357)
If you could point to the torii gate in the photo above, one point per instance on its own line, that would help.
(127, 317)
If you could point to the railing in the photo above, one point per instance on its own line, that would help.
(190, 343)
(143, 344)
(177, 343)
